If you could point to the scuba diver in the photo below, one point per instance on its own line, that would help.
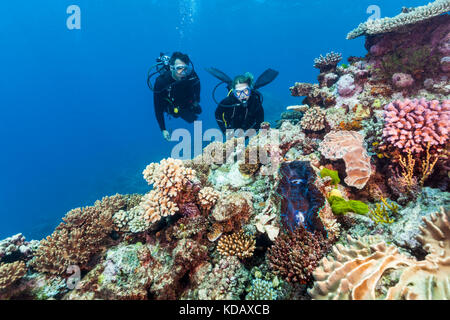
(242, 108)
(176, 90)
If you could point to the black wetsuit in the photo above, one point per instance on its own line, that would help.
(233, 114)
(170, 95)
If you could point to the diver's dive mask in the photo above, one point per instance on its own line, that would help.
(242, 93)
(182, 69)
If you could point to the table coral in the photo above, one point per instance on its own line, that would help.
(348, 145)
(385, 25)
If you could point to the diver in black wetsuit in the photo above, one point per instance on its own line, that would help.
(242, 108)
(177, 92)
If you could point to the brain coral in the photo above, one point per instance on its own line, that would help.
(348, 145)
(362, 270)
(410, 125)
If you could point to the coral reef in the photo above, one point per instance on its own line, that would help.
(267, 216)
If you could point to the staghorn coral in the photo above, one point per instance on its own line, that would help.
(313, 119)
(412, 124)
(81, 235)
(10, 273)
(327, 63)
(385, 25)
(295, 255)
(237, 244)
(362, 270)
(348, 145)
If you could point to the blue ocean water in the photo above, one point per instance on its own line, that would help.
(77, 120)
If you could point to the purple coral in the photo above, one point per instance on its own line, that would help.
(402, 80)
(346, 86)
(412, 124)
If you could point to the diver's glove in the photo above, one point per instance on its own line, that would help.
(166, 135)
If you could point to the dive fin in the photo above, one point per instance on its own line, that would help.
(219, 75)
(265, 78)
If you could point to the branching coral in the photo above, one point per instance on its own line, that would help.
(348, 145)
(362, 270)
(207, 198)
(82, 234)
(327, 63)
(294, 256)
(238, 244)
(384, 25)
(380, 214)
(170, 179)
(11, 272)
(411, 124)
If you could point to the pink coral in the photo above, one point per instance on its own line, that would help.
(346, 86)
(348, 145)
(402, 80)
(411, 124)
